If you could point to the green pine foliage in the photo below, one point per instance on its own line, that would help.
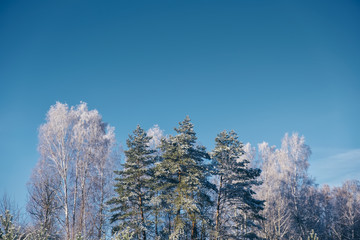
(183, 181)
(313, 235)
(125, 234)
(237, 211)
(170, 196)
(40, 233)
(170, 188)
(8, 230)
(131, 207)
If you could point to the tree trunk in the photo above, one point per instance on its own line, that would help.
(217, 221)
(101, 210)
(142, 217)
(75, 203)
(156, 225)
(82, 227)
(82, 212)
(169, 217)
(66, 210)
(179, 210)
(193, 229)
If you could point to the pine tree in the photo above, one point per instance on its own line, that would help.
(134, 186)
(236, 209)
(313, 235)
(183, 178)
(8, 230)
(40, 233)
(157, 203)
(124, 234)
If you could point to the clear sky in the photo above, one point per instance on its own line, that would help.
(262, 68)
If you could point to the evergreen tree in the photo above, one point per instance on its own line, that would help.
(124, 234)
(39, 233)
(134, 186)
(8, 230)
(313, 235)
(157, 203)
(183, 179)
(237, 211)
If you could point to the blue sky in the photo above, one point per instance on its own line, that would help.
(262, 68)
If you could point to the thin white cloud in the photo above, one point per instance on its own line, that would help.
(336, 169)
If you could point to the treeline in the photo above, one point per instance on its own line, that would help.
(171, 187)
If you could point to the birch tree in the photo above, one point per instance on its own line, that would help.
(285, 186)
(346, 214)
(43, 206)
(56, 144)
(73, 143)
(157, 135)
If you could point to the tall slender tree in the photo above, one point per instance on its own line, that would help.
(286, 188)
(133, 187)
(346, 213)
(157, 203)
(183, 175)
(237, 210)
(43, 205)
(72, 143)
